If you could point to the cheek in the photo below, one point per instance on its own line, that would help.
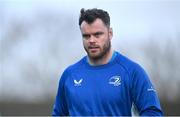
(104, 41)
(85, 43)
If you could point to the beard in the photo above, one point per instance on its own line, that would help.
(102, 51)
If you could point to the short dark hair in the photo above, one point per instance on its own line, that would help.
(90, 15)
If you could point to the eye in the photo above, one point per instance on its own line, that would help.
(86, 36)
(98, 34)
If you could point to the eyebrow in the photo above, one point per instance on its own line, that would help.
(96, 33)
(84, 35)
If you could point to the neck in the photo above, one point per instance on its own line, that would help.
(101, 61)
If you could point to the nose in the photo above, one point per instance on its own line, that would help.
(92, 39)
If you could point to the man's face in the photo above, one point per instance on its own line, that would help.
(96, 38)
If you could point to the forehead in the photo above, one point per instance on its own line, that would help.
(97, 25)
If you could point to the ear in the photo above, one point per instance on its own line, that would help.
(110, 33)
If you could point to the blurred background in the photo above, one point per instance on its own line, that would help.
(40, 38)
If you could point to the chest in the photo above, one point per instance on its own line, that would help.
(93, 87)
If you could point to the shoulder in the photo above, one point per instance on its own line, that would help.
(78, 65)
(128, 64)
(71, 69)
(136, 73)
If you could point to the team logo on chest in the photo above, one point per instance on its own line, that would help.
(115, 80)
(78, 82)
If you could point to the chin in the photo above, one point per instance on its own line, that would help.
(95, 56)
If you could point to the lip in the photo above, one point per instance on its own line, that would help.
(93, 49)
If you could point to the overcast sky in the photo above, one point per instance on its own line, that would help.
(132, 19)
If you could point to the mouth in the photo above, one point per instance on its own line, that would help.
(93, 48)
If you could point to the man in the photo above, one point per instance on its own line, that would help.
(103, 83)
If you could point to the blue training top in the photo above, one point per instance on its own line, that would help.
(106, 90)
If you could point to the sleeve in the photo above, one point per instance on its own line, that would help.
(144, 94)
(60, 105)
